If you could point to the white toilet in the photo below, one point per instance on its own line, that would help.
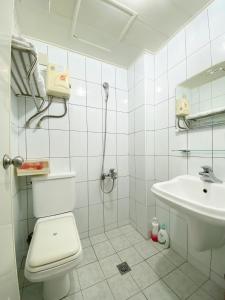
(55, 248)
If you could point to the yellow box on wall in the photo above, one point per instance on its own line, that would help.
(57, 82)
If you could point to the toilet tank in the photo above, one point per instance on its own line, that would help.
(53, 194)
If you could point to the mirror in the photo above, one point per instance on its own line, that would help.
(200, 99)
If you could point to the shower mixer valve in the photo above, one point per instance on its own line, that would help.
(112, 174)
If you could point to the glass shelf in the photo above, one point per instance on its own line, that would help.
(198, 150)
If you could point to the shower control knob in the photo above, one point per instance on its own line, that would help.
(113, 173)
(17, 161)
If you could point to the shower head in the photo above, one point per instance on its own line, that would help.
(106, 85)
(106, 88)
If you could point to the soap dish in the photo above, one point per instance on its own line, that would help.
(33, 167)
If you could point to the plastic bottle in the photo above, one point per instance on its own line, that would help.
(155, 229)
(163, 237)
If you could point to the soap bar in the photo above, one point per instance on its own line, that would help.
(32, 165)
(33, 168)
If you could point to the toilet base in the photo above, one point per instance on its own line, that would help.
(56, 288)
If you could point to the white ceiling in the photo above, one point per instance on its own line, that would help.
(112, 30)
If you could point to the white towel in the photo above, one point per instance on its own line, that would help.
(21, 43)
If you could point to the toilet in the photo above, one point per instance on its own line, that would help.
(55, 248)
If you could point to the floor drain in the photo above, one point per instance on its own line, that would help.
(123, 268)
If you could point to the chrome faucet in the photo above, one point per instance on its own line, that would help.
(112, 174)
(208, 176)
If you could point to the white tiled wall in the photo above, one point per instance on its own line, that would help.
(195, 48)
(144, 132)
(74, 143)
(141, 139)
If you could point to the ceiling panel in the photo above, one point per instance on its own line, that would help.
(107, 29)
(162, 15)
(191, 6)
(101, 22)
(89, 34)
(62, 8)
(102, 16)
(141, 34)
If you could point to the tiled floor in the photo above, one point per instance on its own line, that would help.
(156, 274)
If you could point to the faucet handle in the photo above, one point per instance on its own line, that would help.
(207, 169)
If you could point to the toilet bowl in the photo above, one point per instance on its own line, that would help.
(54, 251)
(55, 248)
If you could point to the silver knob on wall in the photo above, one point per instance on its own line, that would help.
(17, 161)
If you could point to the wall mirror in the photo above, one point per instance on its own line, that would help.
(200, 100)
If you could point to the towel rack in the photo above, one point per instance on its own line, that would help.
(23, 80)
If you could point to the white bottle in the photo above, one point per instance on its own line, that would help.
(155, 229)
(163, 237)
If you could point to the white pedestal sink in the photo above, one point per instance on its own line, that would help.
(204, 205)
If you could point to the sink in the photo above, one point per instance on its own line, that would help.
(202, 203)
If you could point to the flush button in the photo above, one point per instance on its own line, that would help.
(55, 233)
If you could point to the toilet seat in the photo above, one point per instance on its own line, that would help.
(55, 245)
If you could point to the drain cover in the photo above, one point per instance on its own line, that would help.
(123, 268)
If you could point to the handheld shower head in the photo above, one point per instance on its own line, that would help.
(106, 88)
(106, 85)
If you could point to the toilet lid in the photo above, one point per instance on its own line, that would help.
(55, 238)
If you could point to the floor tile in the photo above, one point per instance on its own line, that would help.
(143, 275)
(145, 249)
(90, 275)
(88, 257)
(33, 292)
(194, 274)
(109, 265)
(201, 295)
(159, 291)
(214, 290)
(77, 296)
(74, 282)
(161, 265)
(98, 238)
(158, 246)
(175, 258)
(127, 229)
(103, 249)
(138, 296)
(180, 284)
(120, 242)
(85, 243)
(113, 233)
(131, 256)
(134, 237)
(122, 286)
(99, 291)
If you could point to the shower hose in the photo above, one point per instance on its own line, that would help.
(102, 181)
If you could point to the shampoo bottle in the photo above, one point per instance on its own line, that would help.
(155, 229)
(163, 237)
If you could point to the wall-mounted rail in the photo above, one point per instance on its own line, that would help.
(27, 80)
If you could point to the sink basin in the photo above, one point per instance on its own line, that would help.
(203, 204)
